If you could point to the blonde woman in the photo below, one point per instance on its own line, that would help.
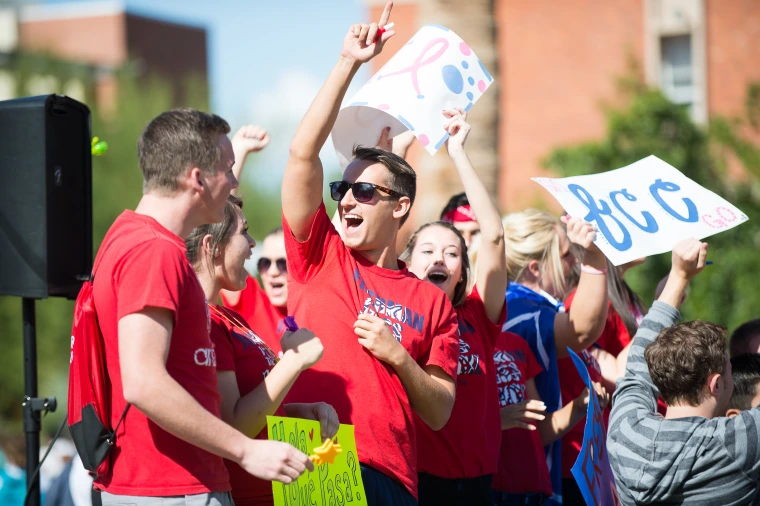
(538, 262)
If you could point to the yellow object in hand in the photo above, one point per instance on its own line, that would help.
(326, 453)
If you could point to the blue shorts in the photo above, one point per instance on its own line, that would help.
(382, 490)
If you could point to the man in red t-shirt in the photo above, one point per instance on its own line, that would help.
(390, 340)
(153, 316)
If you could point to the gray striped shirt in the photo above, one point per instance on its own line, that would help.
(691, 460)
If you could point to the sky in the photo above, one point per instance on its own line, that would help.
(267, 60)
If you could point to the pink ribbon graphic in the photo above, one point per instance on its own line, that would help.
(419, 62)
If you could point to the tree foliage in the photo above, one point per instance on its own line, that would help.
(648, 123)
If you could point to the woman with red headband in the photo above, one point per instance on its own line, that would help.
(459, 213)
(455, 464)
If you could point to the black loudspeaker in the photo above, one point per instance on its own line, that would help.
(45, 196)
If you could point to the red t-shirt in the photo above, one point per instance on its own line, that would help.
(329, 285)
(255, 307)
(144, 265)
(239, 349)
(522, 461)
(614, 338)
(468, 446)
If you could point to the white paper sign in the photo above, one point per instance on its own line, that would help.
(643, 209)
(435, 70)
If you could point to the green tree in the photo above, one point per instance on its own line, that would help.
(648, 124)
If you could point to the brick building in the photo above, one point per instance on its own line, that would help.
(103, 37)
(557, 62)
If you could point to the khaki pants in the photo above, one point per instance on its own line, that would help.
(211, 499)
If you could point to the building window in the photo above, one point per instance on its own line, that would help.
(677, 76)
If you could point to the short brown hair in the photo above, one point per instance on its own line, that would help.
(682, 358)
(403, 179)
(175, 141)
(745, 372)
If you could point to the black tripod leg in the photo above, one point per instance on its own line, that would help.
(32, 425)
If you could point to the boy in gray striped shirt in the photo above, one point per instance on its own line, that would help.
(693, 455)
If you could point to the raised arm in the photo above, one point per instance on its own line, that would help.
(582, 325)
(636, 387)
(492, 262)
(149, 387)
(248, 139)
(303, 179)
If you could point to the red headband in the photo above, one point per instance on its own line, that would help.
(460, 214)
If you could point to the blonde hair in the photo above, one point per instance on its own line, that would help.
(534, 235)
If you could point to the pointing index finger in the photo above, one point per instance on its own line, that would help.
(386, 14)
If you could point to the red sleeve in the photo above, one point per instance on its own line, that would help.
(533, 368)
(444, 349)
(615, 336)
(153, 274)
(306, 259)
(225, 353)
(494, 329)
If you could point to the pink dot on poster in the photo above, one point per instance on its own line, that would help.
(464, 48)
(482, 86)
(383, 107)
(424, 139)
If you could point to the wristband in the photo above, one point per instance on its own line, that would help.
(590, 270)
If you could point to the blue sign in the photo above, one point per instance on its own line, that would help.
(592, 469)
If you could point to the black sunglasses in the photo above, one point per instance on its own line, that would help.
(265, 263)
(363, 192)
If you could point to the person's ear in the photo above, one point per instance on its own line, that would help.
(534, 267)
(207, 248)
(733, 412)
(194, 179)
(716, 384)
(403, 206)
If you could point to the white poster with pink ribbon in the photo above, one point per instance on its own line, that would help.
(644, 208)
(434, 71)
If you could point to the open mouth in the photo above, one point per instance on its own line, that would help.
(275, 289)
(353, 222)
(437, 277)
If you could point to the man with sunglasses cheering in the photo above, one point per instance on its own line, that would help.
(390, 339)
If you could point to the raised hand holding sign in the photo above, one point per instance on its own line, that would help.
(643, 209)
(435, 71)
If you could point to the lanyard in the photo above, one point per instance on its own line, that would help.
(247, 330)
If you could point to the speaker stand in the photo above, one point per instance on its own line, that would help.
(33, 405)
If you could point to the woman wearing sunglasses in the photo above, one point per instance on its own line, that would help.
(252, 382)
(455, 464)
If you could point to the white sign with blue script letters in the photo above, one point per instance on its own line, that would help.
(643, 209)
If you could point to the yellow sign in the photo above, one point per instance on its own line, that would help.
(337, 484)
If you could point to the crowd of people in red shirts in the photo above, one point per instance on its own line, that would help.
(448, 354)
